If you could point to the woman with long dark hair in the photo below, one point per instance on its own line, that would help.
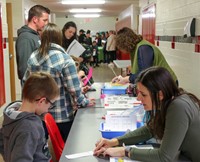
(69, 33)
(173, 117)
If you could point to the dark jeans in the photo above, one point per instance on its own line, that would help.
(105, 57)
(45, 130)
(64, 129)
(111, 56)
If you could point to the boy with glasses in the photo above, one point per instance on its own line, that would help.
(22, 136)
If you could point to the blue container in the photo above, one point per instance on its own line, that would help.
(115, 91)
(110, 134)
(140, 124)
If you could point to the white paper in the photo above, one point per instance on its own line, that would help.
(78, 155)
(114, 112)
(120, 122)
(75, 48)
(120, 102)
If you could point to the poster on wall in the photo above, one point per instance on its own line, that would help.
(2, 83)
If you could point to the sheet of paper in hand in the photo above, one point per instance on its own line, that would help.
(75, 48)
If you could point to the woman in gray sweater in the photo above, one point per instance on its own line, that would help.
(173, 118)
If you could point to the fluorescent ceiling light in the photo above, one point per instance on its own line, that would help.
(86, 15)
(88, 10)
(83, 1)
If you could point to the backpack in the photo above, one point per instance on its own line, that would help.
(87, 54)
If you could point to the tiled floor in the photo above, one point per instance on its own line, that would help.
(100, 74)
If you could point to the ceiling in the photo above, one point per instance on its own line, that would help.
(112, 8)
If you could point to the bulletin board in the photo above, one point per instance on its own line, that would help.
(2, 83)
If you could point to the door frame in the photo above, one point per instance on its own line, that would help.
(11, 51)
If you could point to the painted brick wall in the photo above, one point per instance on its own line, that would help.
(171, 18)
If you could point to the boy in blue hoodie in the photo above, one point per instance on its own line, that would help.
(22, 137)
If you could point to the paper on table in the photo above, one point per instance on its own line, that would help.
(75, 48)
(120, 122)
(120, 102)
(78, 155)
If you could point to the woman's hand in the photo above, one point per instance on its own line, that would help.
(116, 79)
(114, 151)
(81, 74)
(120, 80)
(85, 89)
(91, 102)
(103, 143)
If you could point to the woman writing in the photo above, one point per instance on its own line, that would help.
(143, 54)
(173, 118)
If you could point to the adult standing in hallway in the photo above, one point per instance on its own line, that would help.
(111, 46)
(98, 39)
(105, 53)
(82, 36)
(69, 32)
(143, 54)
(28, 36)
(88, 39)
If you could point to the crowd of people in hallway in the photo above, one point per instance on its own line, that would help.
(51, 81)
(104, 40)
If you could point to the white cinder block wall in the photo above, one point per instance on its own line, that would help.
(93, 24)
(171, 18)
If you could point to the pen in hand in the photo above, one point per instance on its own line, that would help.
(117, 79)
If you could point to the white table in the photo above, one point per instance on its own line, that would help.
(122, 64)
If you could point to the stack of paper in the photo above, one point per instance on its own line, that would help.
(120, 102)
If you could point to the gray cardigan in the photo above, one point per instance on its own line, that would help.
(182, 133)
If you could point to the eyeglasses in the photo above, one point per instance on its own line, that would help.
(52, 103)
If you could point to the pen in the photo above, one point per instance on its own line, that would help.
(88, 80)
(111, 67)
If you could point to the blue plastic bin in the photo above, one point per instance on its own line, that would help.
(110, 134)
(115, 91)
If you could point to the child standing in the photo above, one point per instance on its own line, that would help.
(95, 54)
(22, 136)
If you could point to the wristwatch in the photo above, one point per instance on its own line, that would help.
(127, 150)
